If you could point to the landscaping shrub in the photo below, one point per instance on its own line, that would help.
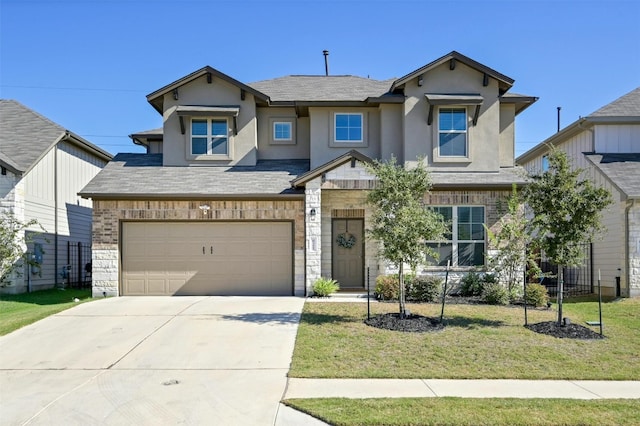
(495, 294)
(424, 289)
(536, 295)
(324, 287)
(471, 284)
(386, 287)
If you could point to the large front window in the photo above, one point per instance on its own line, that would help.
(464, 244)
(348, 127)
(209, 136)
(452, 132)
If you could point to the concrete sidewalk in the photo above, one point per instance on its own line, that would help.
(428, 388)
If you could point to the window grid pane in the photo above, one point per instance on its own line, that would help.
(282, 131)
(348, 128)
(467, 246)
(452, 129)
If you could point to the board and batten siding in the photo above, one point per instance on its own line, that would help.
(75, 168)
(617, 138)
(574, 147)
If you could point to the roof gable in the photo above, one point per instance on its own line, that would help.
(156, 99)
(352, 155)
(504, 82)
(26, 136)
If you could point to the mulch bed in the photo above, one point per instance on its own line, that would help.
(412, 323)
(569, 331)
(420, 324)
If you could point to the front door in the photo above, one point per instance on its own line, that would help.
(348, 253)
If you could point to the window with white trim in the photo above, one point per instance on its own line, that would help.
(464, 244)
(545, 163)
(348, 127)
(209, 136)
(282, 131)
(452, 132)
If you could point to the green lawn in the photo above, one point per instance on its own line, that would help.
(459, 411)
(478, 342)
(18, 310)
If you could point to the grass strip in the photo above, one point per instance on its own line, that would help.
(469, 411)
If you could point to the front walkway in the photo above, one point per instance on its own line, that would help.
(428, 388)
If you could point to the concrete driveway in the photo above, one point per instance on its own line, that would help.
(151, 361)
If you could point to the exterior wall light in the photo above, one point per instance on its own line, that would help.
(205, 208)
(312, 213)
(420, 81)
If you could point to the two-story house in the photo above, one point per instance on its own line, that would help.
(606, 144)
(261, 188)
(42, 168)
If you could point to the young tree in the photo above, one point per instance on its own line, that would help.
(13, 243)
(511, 241)
(400, 220)
(567, 212)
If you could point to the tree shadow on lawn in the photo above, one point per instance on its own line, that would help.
(472, 323)
(318, 319)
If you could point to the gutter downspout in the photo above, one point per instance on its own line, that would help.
(55, 213)
(627, 273)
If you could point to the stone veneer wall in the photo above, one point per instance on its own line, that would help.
(634, 251)
(340, 199)
(107, 215)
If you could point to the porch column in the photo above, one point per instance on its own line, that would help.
(313, 231)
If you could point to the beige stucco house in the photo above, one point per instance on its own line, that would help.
(261, 188)
(606, 144)
(43, 166)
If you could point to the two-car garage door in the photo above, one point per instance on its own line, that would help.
(207, 258)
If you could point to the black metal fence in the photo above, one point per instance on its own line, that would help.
(577, 280)
(78, 266)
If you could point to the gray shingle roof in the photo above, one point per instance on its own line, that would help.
(142, 175)
(622, 169)
(312, 88)
(24, 134)
(505, 177)
(625, 106)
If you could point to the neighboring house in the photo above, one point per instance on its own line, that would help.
(43, 168)
(247, 188)
(606, 144)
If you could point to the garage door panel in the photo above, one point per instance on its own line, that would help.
(249, 258)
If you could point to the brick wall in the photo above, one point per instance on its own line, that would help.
(107, 215)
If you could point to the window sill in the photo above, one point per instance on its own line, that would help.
(457, 160)
(205, 157)
(335, 144)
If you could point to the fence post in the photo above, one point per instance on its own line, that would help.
(79, 280)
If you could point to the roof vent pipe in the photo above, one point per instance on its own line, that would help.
(559, 108)
(326, 62)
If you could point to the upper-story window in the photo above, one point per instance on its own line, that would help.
(348, 128)
(545, 163)
(452, 132)
(282, 131)
(209, 136)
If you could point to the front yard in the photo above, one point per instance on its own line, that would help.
(478, 342)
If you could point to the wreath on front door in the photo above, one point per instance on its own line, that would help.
(346, 240)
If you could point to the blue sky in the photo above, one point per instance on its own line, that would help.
(88, 64)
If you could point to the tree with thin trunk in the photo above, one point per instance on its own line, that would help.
(512, 243)
(401, 222)
(567, 214)
(13, 245)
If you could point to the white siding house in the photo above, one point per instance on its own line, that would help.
(44, 167)
(607, 145)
